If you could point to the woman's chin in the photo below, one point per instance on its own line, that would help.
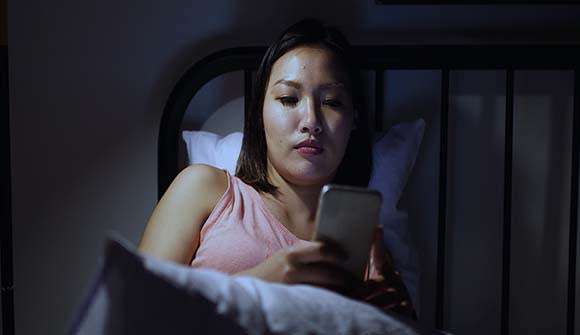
(309, 177)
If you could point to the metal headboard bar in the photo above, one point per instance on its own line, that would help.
(6, 261)
(442, 219)
(507, 201)
(377, 59)
(478, 2)
(472, 57)
(370, 58)
(200, 73)
(573, 239)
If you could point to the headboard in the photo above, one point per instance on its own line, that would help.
(446, 59)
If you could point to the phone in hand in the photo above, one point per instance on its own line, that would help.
(347, 216)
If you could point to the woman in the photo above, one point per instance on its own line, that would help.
(306, 128)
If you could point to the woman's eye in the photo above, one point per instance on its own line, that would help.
(288, 101)
(333, 103)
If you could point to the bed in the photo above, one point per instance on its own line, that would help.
(474, 279)
(491, 204)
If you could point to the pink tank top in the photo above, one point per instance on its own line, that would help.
(240, 232)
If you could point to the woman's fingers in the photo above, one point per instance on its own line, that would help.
(318, 263)
(311, 252)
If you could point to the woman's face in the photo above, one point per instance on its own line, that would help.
(308, 115)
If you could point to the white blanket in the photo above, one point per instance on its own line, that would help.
(137, 294)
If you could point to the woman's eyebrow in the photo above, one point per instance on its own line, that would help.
(331, 85)
(288, 83)
(298, 85)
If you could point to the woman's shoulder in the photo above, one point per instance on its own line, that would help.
(199, 172)
(181, 212)
(198, 178)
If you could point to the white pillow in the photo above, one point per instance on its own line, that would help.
(208, 148)
(135, 294)
(394, 155)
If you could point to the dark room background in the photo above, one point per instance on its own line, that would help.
(88, 83)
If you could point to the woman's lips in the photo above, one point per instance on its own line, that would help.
(309, 148)
(309, 151)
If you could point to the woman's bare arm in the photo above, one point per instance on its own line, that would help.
(172, 232)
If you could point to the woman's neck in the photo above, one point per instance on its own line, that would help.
(295, 205)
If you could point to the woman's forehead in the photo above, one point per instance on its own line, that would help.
(308, 65)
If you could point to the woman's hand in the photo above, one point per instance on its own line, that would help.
(384, 287)
(314, 263)
(380, 261)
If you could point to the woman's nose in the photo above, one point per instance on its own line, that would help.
(313, 130)
(310, 120)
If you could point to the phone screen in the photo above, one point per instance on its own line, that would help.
(348, 216)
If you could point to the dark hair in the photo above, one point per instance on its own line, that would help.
(355, 166)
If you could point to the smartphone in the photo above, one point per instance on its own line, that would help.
(348, 216)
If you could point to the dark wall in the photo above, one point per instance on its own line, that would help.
(88, 81)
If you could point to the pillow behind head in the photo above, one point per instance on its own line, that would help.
(394, 156)
(204, 147)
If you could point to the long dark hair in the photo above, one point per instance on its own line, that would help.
(356, 163)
